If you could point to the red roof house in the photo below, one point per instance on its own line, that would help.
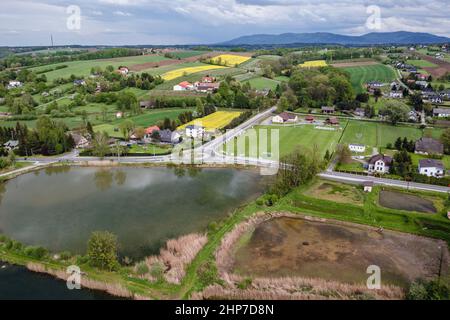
(149, 131)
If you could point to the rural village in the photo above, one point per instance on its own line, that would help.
(364, 165)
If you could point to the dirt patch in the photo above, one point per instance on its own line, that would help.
(354, 64)
(407, 202)
(443, 67)
(337, 193)
(293, 247)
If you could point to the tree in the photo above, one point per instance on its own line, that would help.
(445, 139)
(283, 104)
(377, 94)
(127, 127)
(200, 108)
(102, 250)
(100, 145)
(343, 154)
(416, 101)
(395, 111)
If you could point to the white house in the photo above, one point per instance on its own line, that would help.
(194, 131)
(123, 70)
(14, 84)
(431, 168)
(183, 86)
(357, 148)
(11, 145)
(380, 164)
(396, 94)
(285, 118)
(441, 112)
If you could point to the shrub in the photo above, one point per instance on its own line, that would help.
(142, 269)
(428, 290)
(244, 284)
(207, 274)
(65, 255)
(157, 271)
(37, 253)
(102, 250)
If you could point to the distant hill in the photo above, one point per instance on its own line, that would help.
(375, 38)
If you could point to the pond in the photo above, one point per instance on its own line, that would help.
(59, 208)
(407, 202)
(290, 247)
(17, 283)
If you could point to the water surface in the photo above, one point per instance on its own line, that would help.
(59, 208)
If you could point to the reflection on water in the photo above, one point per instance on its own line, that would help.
(59, 208)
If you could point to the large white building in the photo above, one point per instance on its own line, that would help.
(431, 168)
(193, 131)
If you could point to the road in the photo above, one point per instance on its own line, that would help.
(209, 154)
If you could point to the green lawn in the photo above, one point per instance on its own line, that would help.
(261, 83)
(291, 138)
(421, 63)
(83, 68)
(362, 74)
(187, 54)
(151, 149)
(373, 134)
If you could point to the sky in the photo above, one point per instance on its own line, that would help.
(164, 22)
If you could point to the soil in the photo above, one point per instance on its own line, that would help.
(293, 247)
(442, 68)
(354, 64)
(407, 202)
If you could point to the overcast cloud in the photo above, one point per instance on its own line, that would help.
(119, 22)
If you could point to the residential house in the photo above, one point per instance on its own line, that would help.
(359, 112)
(328, 110)
(80, 141)
(441, 112)
(374, 85)
(431, 168)
(429, 146)
(11, 145)
(445, 94)
(14, 84)
(193, 131)
(207, 87)
(380, 164)
(79, 82)
(310, 119)
(208, 79)
(148, 104)
(435, 98)
(285, 117)
(414, 116)
(396, 94)
(168, 136)
(359, 148)
(422, 84)
(119, 115)
(150, 130)
(183, 86)
(422, 77)
(123, 70)
(332, 121)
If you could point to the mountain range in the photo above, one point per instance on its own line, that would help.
(374, 38)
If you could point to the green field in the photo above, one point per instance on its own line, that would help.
(261, 83)
(306, 136)
(186, 54)
(373, 134)
(363, 74)
(422, 63)
(83, 68)
(144, 120)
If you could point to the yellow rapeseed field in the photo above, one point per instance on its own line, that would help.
(185, 71)
(230, 59)
(216, 120)
(314, 64)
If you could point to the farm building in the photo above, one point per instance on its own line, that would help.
(359, 112)
(80, 141)
(207, 87)
(328, 110)
(183, 86)
(310, 119)
(208, 79)
(285, 117)
(429, 146)
(431, 168)
(15, 84)
(123, 70)
(368, 186)
(357, 148)
(380, 164)
(148, 104)
(332, 121)
(441, 112)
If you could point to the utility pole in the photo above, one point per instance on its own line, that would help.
(51, 38)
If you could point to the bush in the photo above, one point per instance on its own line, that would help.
(428, 290)
(157, 271)
(37, 253)
(102, 250)
(65, 255)
(207, 274)
(142, 269)
(244, 284)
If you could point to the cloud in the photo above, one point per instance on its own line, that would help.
(208, 21)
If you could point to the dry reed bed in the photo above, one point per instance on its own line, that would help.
(177, 254)
(292, 288)
(110, 288)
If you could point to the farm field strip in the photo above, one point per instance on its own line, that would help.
(363, 74)
(177, 73)
(214, 121)
(313, 64)
(230, 60)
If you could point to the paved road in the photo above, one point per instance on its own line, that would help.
(357, 179)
